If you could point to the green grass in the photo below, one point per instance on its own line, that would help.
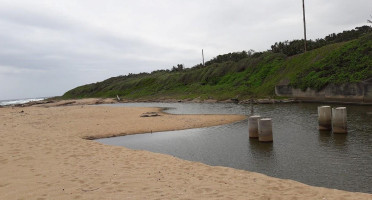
(257, 76)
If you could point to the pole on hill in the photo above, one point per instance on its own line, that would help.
(203, 56)
(303, 12)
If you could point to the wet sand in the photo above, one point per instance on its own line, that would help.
(44, 156)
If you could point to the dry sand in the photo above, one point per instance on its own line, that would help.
(44, 156)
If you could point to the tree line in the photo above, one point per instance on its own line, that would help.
(288, 48)
(294, 47)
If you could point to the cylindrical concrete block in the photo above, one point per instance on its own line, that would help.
(339, 119)
(325, 118)
(253, 126)
(265, 133)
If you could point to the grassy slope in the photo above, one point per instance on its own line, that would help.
(255, 76)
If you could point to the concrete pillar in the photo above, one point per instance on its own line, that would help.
(265, 133)
(339, 120)
(325, 118)
(253, 126)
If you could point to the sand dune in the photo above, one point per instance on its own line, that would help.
(44, 156)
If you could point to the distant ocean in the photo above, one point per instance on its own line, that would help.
(19, 101)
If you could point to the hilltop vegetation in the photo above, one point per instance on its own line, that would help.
(249, 74)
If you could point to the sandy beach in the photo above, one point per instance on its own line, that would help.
(45, 155)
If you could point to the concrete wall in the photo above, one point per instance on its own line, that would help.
(352, 92)
(368, 91)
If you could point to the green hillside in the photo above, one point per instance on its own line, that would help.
(245, 76)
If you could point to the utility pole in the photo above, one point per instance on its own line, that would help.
(203, 56)
(303, 11)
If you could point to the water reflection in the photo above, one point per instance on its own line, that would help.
(331, 140)
(299, 151)
(340, 141)
(325, 138)
(260, 149)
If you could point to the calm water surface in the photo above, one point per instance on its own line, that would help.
(299, 151)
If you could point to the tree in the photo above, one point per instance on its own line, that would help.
(178, 68)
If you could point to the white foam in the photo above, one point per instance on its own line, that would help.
(18, 101)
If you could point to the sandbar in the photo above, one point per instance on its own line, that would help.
(46, 154)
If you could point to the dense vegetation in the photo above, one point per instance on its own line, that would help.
(294, 47)
(246, 74)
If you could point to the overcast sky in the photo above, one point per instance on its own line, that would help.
(48, 47)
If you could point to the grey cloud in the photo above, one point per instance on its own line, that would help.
(46, 50)
(26, 17)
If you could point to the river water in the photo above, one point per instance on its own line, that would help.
(299, 151)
